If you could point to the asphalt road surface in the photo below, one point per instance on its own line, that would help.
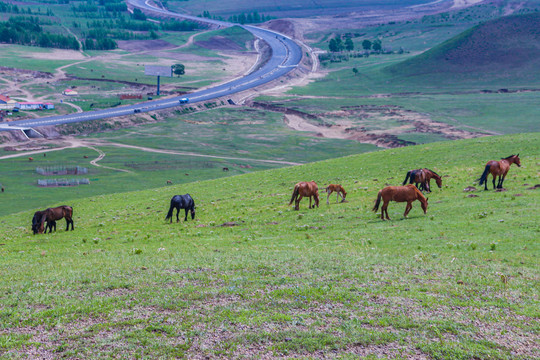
(286, 55)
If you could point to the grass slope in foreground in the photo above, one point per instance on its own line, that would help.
(253, 278)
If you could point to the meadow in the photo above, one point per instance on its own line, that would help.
(225, 133)
(252, 278)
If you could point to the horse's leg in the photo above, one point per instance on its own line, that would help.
(185, 218)
(501, 180)
(177, 212)
(494, 187)
(328, 196)
(297, 202)
(310, 203)
(407, 208)
(383, 210)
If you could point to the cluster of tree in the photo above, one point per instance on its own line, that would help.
(174, 25)
(338, 45)
(206, 14)
(250, 18)
(138, 15)
(375, 45)
(28, 31)
(14, 9)
(99, 44)
(102, 9)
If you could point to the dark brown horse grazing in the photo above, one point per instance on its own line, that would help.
(338, 189)
(305, 189)
(53, 214)
(408, 193)
(500, 169)
(423, 177)
(36, 223)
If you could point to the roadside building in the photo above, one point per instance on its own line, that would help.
(6, 103)
(35, 105)
(70, 92)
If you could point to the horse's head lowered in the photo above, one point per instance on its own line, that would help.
(424, 205)
(36, 223)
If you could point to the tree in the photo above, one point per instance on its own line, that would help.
(377, 45)
(366, 44)
(179, 69)
(349, 45)
(355, 71)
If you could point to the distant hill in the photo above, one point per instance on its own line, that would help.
(505, 47)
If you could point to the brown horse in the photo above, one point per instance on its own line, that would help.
(500, 169)
(408, 193)
(423, 177)
(36, 223)
(53, 214)
(338, 189)
(305, 189)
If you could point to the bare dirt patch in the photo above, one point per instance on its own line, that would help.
(144, 45)
(56, 54)
(380, 125)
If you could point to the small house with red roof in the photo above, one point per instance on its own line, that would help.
(70, 92)
(6, 103)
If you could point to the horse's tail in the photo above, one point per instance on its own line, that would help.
(377, 202)
(169, 214)
(407, 177)
(483, 178)
(294, 194)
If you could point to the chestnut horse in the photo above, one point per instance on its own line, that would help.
(500, 169)
(408, 193)
(423, 177)
(338, 189)
(36, 222)
(53, 214)
(305, 189)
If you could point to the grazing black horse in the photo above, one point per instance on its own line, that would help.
(181, 202)
(36, 223)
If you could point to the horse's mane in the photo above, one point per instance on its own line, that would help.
(508, 157)
(433, 172)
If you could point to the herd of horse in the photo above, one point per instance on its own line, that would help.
(419, 180)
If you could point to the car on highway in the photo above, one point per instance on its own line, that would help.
(183, 100)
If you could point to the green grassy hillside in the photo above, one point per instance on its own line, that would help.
(253, 278)
(507, 47)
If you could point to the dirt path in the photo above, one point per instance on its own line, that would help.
(75, 143)
(101, 156)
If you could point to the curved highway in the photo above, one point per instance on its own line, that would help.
(286, 55)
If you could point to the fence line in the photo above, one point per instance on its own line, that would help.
(62, 170)
(62, 182)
